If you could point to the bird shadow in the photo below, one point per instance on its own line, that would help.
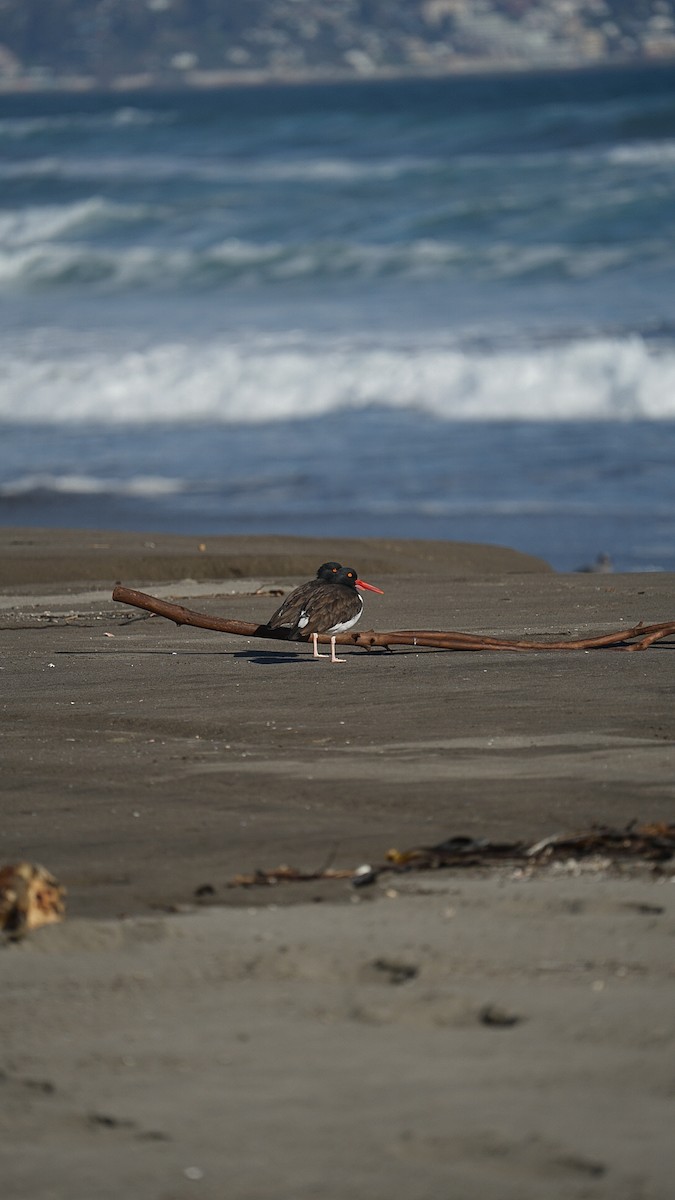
(266, 658)
(272, 657)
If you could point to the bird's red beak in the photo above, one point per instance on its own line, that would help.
(361, 583)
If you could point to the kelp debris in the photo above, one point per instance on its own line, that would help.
(653, 843)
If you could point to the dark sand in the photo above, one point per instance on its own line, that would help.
(264, 1046)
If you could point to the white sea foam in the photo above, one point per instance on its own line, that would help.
(36, 225)
(89, 485)
(332, 170)
(266, 379)
(647, 154)
(270, 169)
(35, 252)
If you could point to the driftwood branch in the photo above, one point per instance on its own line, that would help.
(638, 638)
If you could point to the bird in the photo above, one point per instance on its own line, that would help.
(290, 610)
(328, 604)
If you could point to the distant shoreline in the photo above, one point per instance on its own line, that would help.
(211, 81)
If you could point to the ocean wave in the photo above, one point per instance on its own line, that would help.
(222, 169)
(39, 224)
(267, 379)
(329, 170)
(146, 486)
(250, 496)
(643, 154)
(100, 170)
(273, 168)
(17, 128)
(34, 262)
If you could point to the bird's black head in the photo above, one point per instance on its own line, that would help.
(347, 576)
(328, 572)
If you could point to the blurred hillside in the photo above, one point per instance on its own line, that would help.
(145, 43)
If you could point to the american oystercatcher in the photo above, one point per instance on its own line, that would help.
(289, 612)
(328, 604)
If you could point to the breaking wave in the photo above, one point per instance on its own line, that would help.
(31, 263)
(146, 486)
(33, 228)
(644, 154)
(267, 379)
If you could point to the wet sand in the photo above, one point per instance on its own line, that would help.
(306, 1040)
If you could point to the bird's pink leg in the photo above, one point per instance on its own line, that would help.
(315, 640)
(333, 657)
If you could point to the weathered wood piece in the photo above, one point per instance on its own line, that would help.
(639, 637)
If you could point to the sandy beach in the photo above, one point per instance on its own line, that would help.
(482, 1034)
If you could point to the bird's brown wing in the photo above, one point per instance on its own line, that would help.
(288, 613)
(328, 605)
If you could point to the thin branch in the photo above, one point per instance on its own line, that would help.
(438, 639)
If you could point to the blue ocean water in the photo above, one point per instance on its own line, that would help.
(440, 309)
